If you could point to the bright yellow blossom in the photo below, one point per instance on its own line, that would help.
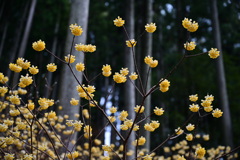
(189, 137)
(190, 127)
(119, 22)
(133, 76)
(193, 98)
(14, 99)
(106, 70)
(14, 67)
(189, 25)
(217, 113)
(80, 67)
(75, 29)
(158, 111)
(33, 70)
(200, 152)
(25, 81)
(137, 108)
(131, 43)
(23, 63)
(74, 102)
(72, 58)
(124, 71)
(51, 67)
(213, 53)
(148, 127)
(179, 131)
(9, 156)
(119, 78)
(194, 107)
(113, 109)
(150, 28)
(39, 45)
(189, 46)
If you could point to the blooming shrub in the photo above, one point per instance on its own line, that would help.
(31, 129)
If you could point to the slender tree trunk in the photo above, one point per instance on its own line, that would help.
(147, 50)
(3, 38)
(223, 95)
(129, 90)
(79, 15)
(27, 29)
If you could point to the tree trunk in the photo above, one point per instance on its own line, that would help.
(79, 15)
(27, 29)
(223, 95)
(147, 50)
(129, 89)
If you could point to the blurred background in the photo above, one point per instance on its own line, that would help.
(25, 21)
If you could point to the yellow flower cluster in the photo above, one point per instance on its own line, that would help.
(69, 58)
(106, 70)
(127, 124)
(193, 98)
(23, 63)
(213, 53)
(200, 152)
(45, 103)
(140, 141)
(74, 102)
(25, 81)
(80, 67)
(138, 110)
(189, 25)
(73, 155)
(131, 43)
(87, 131)
(14, 67)
(39, 45)
(82, 91)
(75, 29)
(158, 111)
(164, 85)
(119, 78)
(190, 46)
(33, 70)
(52, 67)
(149, 61)
(133, 76)
(85, 48)
(119, 22)
(151, 126)
(194, 107)
(123, 115)
(150, 28)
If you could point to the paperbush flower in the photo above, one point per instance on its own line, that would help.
(9, 156)
(106, 70)
(1, 76)
(80, 67)
(150, 28)
(85, 48)
(113, 109)
(179, 131)
(119, 78)
(72, 58)
(119, 22)
(3, 127)
(14, 99)
(193, 98)
(124, 71)
(200, 152)
(112, 118)
(3, 90)
(51, 67)
(39, 45)
(51, 115)
(25, 81)
(194, 107)
(141, 141)
(217, 113)
(131, 43)
(148, 127)
(23, 63)
(33, 70)
(158, 111)
(133, 76)
(74, 102)
(123, 115)
(30, 105)
(189, 137)
(155, 124)
(14, 67)
(208, 109)
(75, 29)
(164, 85)
(190, 127)
(137, 108)
(189, 46)
(189, 25)
(213, 53)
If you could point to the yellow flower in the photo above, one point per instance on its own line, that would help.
(124, 71)
(33, 70)
(74, 102)
(112, 119)
(148, 127)
(91, 48)
(21, 63)
(51, 115)
(164, 85)
(209, 97)
(153, 64)
(119, 78)
(77, 125)
(217, 113)
(106, 148)
(208, 109)
(150, 28)
(137, 108)
(200, 152)
(206, 137)
(213, 53)
(147, 157)
(51, 67)
(194, 107)
(72, 58)
(189, 46)
(133, 76)
(80, 67)
(25, 81)
(1, 76)
(179, 131)
(30, 105)
(39, 45)
(158, 111)
(190, 127)
(3, 90)
(119, 22)
(181, 158)
(3, 127)
(128, 122)
(106, 70)
(189, 25)
(14, 99)
(14, 67)
(4, 80)
(123, 115)
(148, 60)
(141, 141)
(9, 156)
(189, 137)
(123, 127)
(131, 43)
(206, 103)
(155, 124)
(85, 113)
(113, 109)
(193, 98)
(75, 29)
(80, 47)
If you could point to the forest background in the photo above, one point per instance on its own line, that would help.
(23, 22)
